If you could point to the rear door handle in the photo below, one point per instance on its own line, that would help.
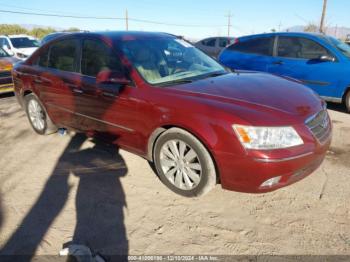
(77, 91)
(278, 62)
(108, 94)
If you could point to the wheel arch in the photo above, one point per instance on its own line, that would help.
(27, 92)
(160, 130)
(346, 90)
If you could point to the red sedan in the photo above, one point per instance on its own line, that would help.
(159, 97)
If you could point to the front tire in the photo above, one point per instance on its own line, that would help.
(183, 164)
(37, 116)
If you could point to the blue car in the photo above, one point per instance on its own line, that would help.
(321, 62)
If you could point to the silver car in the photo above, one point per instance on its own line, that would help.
(212, 46)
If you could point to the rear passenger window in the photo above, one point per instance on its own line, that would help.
(96, 57)
(209, 42)
(43, 59)
(259, 46)
(63, 55)
(302, 48)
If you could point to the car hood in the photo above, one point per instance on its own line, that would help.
(259, 91)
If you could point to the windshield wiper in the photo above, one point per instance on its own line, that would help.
(180, 81)
(214, 74)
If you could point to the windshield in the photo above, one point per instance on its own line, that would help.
(341, 46)
(24, 42)
(3, 53)
(162, 61)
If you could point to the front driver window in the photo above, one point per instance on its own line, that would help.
(97, 57)
(210, 42)
(223, 42)
(301, 48)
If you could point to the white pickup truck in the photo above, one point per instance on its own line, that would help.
(20, 46)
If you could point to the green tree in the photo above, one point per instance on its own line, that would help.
(38, 32)
(311, 27)
(41, 32)
(72, 29)
(6, 29)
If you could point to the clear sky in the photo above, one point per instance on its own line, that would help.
(249, 16)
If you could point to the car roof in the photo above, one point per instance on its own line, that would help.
(301, 34)
(218, 37)
(120, 35)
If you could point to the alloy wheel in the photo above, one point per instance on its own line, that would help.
(180, 164)
(36, 115)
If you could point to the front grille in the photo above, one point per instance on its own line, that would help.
(5, 74)
(320, 126)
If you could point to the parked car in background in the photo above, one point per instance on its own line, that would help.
(321, 62)
(157, 96)
(6, 64)
(51, 36)
(214, 45)
(347, 40)
(21, 46)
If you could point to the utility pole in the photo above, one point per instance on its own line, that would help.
(336, 31)
(279, 26)
(323, 16)
(229, 16)
(126, 20)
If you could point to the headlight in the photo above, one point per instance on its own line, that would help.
(266, 138)
(20, 55)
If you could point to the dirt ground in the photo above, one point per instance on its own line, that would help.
(56, 189)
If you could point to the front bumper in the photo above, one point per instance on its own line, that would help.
(6, 88)
(6, 84)
(248, 173)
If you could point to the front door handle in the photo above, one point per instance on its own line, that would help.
(38, 81)
(279, 62)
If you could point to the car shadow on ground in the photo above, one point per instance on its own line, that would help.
(7, 95)
(100, 201)
(336, 107)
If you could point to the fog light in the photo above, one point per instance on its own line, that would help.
(271, 182)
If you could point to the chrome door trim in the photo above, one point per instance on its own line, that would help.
(92, 118)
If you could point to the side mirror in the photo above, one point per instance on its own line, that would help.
(112, 77)
(326, 58)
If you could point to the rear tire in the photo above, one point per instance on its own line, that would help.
(37, 116)
(347, 101)
(183, 164)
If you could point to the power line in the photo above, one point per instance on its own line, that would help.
(34, 9)
(63, 16)
(105, 18)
